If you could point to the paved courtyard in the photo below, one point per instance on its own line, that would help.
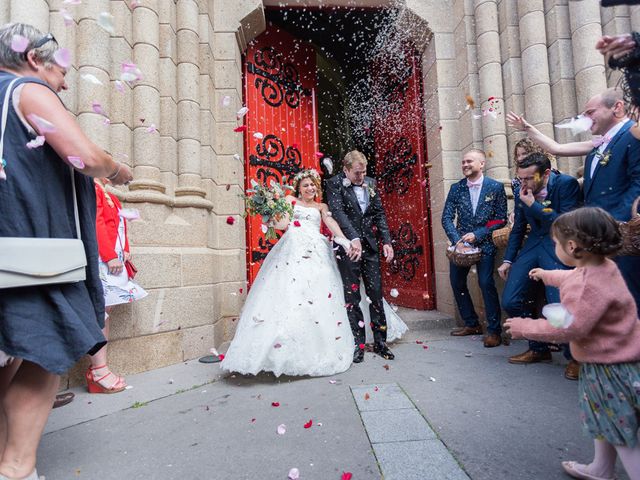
(446, 408)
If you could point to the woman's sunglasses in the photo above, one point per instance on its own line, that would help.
(43, 41)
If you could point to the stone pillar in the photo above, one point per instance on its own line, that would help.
(146, 107)
(490, 76)
(33, 12)
(615, 21)
(535, 65)
(93, 58)
(588, 64)
(634, 17)
(189, 192)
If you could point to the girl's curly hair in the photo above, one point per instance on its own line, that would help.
(594, 231)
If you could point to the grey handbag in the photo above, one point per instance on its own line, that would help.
(29, 261)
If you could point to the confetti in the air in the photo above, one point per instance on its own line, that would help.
(19, 43)
(76, 162)
(129, 213)
(105, 20)
(36, 142)
(294, 474)
(62, 57)
(282, 429)
(258, 136)
(91, 79)
(242, 112)
(67, 18)
(97, 108)
(394, 293)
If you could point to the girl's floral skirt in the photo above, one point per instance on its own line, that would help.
(610, 402)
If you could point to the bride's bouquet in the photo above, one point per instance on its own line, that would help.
(270, 203)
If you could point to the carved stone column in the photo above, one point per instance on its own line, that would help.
(147, 186)
(490, 76)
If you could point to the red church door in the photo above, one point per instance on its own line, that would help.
(282, 132)
(403, 178)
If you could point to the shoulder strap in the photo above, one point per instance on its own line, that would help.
(3, 128)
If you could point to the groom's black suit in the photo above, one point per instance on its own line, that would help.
(355, 223)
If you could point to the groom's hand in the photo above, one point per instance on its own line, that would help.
(387, 251)
(355, 252)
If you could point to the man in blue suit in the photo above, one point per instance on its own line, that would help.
(480, 205)
(542, 197)
(612, 171)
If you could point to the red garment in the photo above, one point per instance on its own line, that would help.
(107, 221)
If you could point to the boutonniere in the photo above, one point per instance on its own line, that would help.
(346, 183)
(488, 198)
(604, 158)
(370, 189)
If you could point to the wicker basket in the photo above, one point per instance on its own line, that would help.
(463, 259)
(631, 232)
(501, 236)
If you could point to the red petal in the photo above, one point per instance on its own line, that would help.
(367, 396)
(346, 476)
(419, 342)
(491, 223)
(361, 346)
(253, 420)
(221, 356)
(275, 404)
(425, 346)
(308, 424)
(296, 223)
(293, 202)
(241, 128)
(355, 287)
(241, 290)
(329, 296)
(231, 220)
(319, 154)
(491, 98)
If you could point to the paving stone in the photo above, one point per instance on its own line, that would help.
(387, 397)
(396, 426)
(420, 460)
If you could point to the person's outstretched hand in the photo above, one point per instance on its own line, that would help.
(517, 121)
(616, 46)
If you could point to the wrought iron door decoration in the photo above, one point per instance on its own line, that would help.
(407, 254)
(274, 160)
(398, 164)
(277, 80)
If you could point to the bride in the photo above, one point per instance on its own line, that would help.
(294, 321)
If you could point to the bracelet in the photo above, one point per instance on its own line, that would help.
(115, 174)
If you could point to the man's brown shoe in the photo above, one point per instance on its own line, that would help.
(492, 340)
(464, 331)
(531, 357)
(572, 372)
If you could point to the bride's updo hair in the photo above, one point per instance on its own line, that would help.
(309, 173)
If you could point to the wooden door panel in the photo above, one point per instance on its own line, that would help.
(279, 90)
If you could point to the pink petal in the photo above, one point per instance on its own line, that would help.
(277, 345)
(91, 78)
(319, 154)
(282, 429)
(308, 126)
(36, 142)
(119, 86)
(294, 474)
(66, 16)
(63, 57)
(42, 126)
(242, 112)
(152, 128)
(98, 109)
(19, 43)
(258, 136)
(361, 324)
(130, 214)
(76, 162)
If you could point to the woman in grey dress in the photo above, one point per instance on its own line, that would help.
(43, 330)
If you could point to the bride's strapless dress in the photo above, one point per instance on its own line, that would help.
(294, 320)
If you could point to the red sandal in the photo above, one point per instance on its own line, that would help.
(97, 385)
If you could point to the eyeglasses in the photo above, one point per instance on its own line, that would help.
(43, 41)
(526, 179)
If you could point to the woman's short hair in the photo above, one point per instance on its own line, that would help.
(354, 156)
(11, 59)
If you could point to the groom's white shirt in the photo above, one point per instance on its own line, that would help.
(361, 195)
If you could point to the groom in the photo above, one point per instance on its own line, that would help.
(356, 206)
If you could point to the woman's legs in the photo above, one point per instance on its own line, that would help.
(26, 403)
(99, 368)
(6, 375)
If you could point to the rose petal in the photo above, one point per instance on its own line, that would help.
(294, 474)
(41, 125)
(105, 20)
(36, 142)
(277, 345)
(275, 404)
(319, 154)
(119, 86)
(152, 128)
(91, 78)
(129, 213)
(97, 108)
(332, 382)
(258, 136)
(226, 101)
(367, 396)
(282, 429)
(242, 112)
(72, 2)
(361, 324)
(346, 476)
(230, 220)
(361, 346)
(221, 356)
(67, 18)
(76, 162)
(62, 57)
(241, 128)
(394, 293)
(308, 126)
(308, 424)
(19, 43)
(296, 223)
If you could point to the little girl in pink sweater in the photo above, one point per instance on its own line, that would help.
(604, 333)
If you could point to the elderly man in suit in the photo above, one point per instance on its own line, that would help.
(542, 197)
(480, 205)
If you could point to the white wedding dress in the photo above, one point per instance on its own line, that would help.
(294, 321)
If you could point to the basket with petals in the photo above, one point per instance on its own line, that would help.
(271, 204)
(500, 236)
(631, 232)
(463, 255)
